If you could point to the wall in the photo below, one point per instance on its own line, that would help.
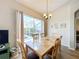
(8, 17)
(60, 24)
(27, 10)
(64, 15)
(74, 6)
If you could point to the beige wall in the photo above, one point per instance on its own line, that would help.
(27, 10)
(60, 24)
(8, 17)
(64, 15)
(74, 6)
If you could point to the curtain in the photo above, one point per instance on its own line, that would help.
(46, 27)
(19, 26)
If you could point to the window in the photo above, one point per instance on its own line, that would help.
(32, 25)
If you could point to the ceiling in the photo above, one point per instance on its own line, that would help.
(40, 5)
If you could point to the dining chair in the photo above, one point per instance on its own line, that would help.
(23, 49)
(60, 43)
(35, 37)
(56, 49)
(24, 52)
(53, 53)
(42, 35)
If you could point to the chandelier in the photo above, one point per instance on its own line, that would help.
(47, 15)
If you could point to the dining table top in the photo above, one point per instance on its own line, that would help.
(41, 46)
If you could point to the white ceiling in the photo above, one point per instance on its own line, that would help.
(40, 5)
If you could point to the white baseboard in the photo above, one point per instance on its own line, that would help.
(71, 48)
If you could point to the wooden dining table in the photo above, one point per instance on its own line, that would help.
(41, 46)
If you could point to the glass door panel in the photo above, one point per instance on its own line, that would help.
(32, 25)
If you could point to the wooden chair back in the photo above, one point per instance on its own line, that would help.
(42, 34)
(55, 49)
(23, 49)
(35, 36)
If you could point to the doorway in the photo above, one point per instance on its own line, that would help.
(77, 28)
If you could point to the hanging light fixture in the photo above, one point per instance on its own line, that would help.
(47, 15)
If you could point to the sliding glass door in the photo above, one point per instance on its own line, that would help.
(32, 25)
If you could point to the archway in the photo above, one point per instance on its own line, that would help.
(76, 17)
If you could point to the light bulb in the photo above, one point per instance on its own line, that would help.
(44, 14)
(50, 15)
